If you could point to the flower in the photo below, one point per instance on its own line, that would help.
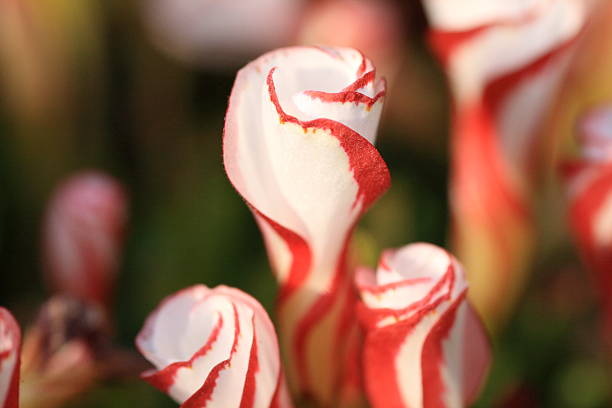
(589, 187)
(215, 348)
(83, 236)
(505, 62)
(425, 345)
(10, 344)
(220, 32)
(298, 148)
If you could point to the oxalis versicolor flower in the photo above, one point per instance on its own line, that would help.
(10, 345)
(83, 236)
(425, 346)
(505, 61)
(298, 147)
(589, 187)
(214, 348)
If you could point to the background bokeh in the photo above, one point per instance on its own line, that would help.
(83, 85)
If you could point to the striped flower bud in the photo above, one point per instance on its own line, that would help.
(10, 346)
(298, 148)
(83, 236)
(214, 348)
(425, 346)
(505, 61)
(589, 187)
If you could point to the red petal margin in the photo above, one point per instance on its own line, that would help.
(369, 168)
(12, 397)
(202, 397)
(476, 356)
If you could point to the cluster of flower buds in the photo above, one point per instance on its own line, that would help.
(505, 62)
(68, 347)
(589, 187)
(298, 147)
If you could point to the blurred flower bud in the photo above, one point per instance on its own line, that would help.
(216, 348)
(63, 352)
(83, 237)
(59, 352)
(298, 147)
(372, 27)
(505, 61)
(425, 345)
(10, 344)
(218, 33)
(589, 186)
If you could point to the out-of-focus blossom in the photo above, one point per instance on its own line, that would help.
(83, 236)
(425, 345)
(215, 348)
(589, 186)
(64, 352)
(217, 33)
(373, 27)
(10, 345)
(505, 61)
(298, 148)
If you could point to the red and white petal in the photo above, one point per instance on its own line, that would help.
(83, 236)
(213, 348)
(298, 147)
(462, 15)
(10, 346)
(438, 349)
(505, 62)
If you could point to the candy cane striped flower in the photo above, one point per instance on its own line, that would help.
(10, 346)
(214, 348)
(298, 148)
(83, 236)
(589, 186)
(505, 61)
(425, 346)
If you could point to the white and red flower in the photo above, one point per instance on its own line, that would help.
(425, 345)
(83, 236)
(589, 187)
(10, 346)
(298, 147)
(505, 62)
(214, 348)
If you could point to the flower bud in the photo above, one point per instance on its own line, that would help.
(425, 346)
(298, 147)
(505, 61)
(589, 188)
(83, 236)
(214, 348)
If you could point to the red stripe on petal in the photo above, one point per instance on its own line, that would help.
(164, 379)
(248, 394)
(202, 397)
(369, 169)
(301, 257)
(432, 357)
